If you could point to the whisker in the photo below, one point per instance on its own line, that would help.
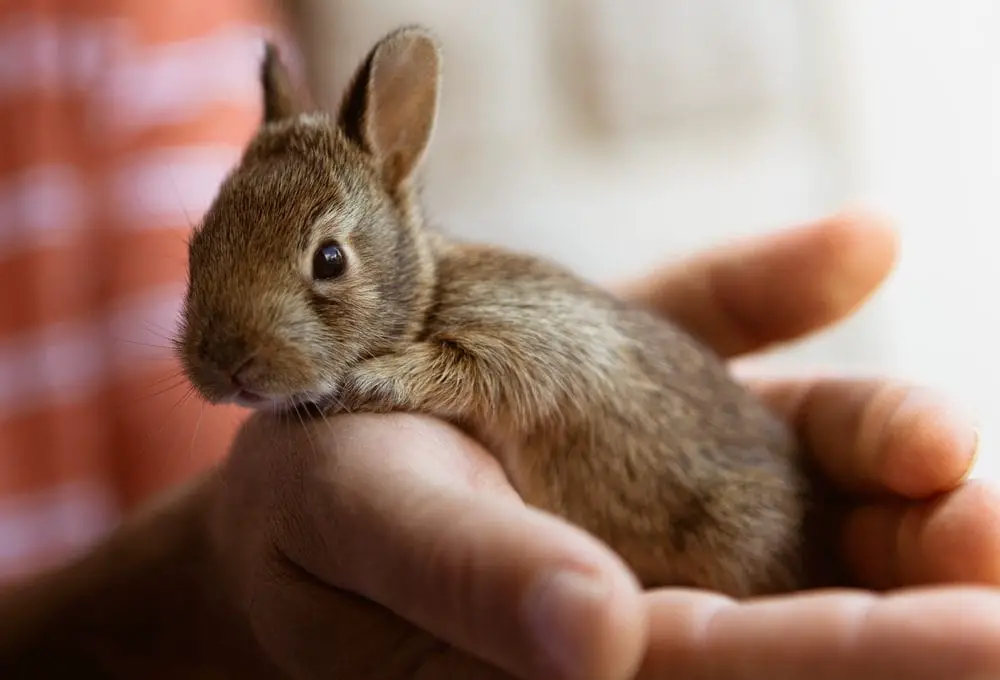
(302, 422)
(197, 426)
(165, 334)
(143, 344)
(180, 201)
(167, 416)
(340, 404)
(172, 376)
(159, 393)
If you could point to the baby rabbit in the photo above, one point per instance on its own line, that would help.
(314, 282)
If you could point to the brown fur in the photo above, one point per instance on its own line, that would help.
(600, 412)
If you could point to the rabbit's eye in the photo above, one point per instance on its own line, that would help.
(329, 262)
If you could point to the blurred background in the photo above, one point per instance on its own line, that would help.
(611, 135)
(614, 134)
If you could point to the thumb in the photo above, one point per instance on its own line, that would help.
(422, 521)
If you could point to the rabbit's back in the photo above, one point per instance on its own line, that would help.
(621, 422)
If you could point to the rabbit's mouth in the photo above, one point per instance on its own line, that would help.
(270, 403)
(259, 402)
(250, 399)
(319, 399)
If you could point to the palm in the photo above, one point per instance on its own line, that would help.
(894, 449)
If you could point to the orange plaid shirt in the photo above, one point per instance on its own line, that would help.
(118, 119)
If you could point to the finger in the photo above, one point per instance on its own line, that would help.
(773, 288)
(418, 523)
(949, 633)
(954, 539)
(876, 436)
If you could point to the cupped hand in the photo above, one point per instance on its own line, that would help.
(922, 541)
(393, 547)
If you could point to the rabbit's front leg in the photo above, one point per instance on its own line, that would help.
(439, 378)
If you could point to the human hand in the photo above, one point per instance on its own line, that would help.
(322, 521)
(899, 453)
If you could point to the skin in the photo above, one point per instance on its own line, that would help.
(435, 534)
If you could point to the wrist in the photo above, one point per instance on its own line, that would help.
(150, 601)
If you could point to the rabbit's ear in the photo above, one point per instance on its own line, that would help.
(391, 105)
(280, 99)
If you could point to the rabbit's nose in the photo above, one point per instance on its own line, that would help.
(245, 380)
(249, 374)
(229, 356)
(240, 376)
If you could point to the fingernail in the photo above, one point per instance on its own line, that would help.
(977, 442)
(561, 607)
(964, 432)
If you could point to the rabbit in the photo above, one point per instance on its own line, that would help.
(315, 284)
